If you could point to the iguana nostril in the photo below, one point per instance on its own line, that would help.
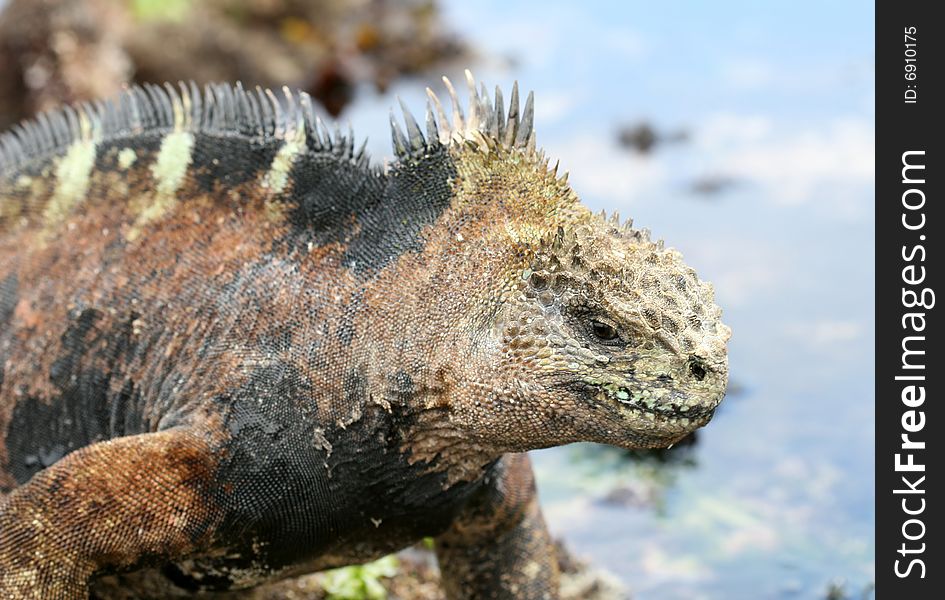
(697, 370)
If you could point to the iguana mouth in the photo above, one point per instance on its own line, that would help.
(677, 413)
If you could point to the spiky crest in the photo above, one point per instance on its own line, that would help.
(484, 124)
(218, 109)
(260, 115)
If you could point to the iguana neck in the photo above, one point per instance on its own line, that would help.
(462, 454)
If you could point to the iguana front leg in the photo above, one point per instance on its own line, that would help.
(107, 506)
(499, 547)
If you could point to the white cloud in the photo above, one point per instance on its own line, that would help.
(554, 106)
(818, 480)
(748, 74)
(741, 278)
(599, 168)
(728, 130)
(625, 44)
(831, 164)
(664, 567)
(763, 537)
(740, 286)
(825, 334)
(794, 77)
(569, 514)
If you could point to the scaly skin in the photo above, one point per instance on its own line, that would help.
(233, 351)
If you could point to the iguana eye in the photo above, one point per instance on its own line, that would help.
(603, 331)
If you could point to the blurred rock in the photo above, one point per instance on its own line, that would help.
(418, 578)
(55, 51)
(581, 581)
(639, 496)
(643, 137)
(712, 185)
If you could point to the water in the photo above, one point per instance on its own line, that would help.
(776, 498)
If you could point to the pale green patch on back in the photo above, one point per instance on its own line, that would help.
(172, 162)
(168, 171)
(169, 168)
(126, 158)
(73, 172)
(277, 177)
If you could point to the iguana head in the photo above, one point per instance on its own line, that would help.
(587, 329)
(620, 332)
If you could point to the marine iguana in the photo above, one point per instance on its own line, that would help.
(233, 350)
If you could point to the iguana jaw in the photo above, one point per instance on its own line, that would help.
(645, 413)
(662, 410)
